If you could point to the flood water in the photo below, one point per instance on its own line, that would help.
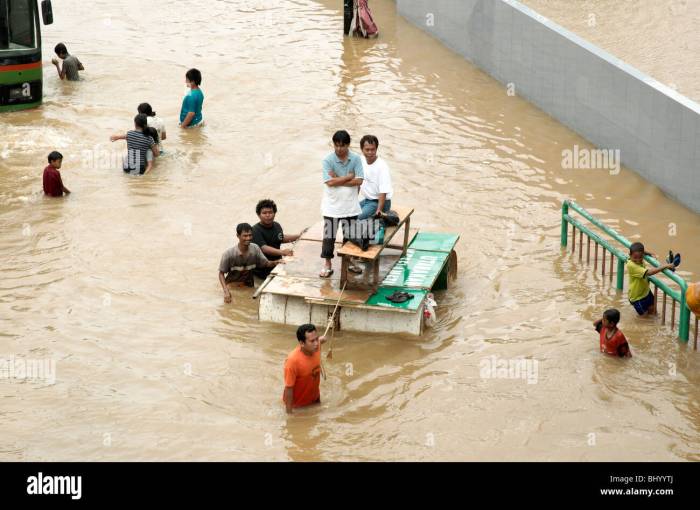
(658, 37)
(118, 282)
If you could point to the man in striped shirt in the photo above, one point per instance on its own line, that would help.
(138, 144)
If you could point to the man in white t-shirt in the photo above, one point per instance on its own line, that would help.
(376, 190)
(342, 176)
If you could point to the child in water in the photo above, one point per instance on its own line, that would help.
(191, 112)
(612, 340)
(639, 294)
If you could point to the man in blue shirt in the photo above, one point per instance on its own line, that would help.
(342, 177)
(191, 113)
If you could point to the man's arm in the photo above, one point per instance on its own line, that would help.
(227, 293)
(114, 138)
(290, 239)
(288, 396)
(156, 150)
(61, 73)
(380, 205)
(354, 181)
(273, 263)
(80, 66)
(164, 134)
(65, 190)
(339, 181)
(188, 119)
(269, 250)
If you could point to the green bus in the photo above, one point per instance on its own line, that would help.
(20, 53)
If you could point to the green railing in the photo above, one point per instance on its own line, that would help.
(677, 295)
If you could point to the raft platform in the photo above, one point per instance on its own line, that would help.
(420, 263)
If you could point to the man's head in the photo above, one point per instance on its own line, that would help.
(56, 159)
(146, 109)
(637, 253)
(193, 78)
(61, 50)
(611, 317)
(266, 210)
(244, 232)
(369, 145)
(308, 338)
(341, 143)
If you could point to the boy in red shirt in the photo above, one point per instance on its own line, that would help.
(302, 370)
(53, 184)
(612, 340)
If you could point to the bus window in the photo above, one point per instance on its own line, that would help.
(17, 30)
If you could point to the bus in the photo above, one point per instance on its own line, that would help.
(20, 52)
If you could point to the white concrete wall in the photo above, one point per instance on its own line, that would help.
(606, 101)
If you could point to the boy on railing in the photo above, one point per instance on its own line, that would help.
(639, 294)
(612, 340)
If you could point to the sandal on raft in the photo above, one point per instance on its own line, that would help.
(326, 273)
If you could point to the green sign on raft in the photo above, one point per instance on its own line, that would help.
(418, 269)
(434, 241)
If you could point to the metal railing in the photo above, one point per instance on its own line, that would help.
(677, 295)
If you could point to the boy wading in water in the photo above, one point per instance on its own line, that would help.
(612, 340)
(302, 370)
(53, 184)
(71, 64)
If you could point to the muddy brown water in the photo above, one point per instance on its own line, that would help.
(117, 283)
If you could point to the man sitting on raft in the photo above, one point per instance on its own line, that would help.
(237, 263)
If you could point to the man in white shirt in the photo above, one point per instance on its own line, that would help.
(342, 175)
(376, 190)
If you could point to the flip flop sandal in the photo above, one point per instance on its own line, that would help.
(326, 273)
(399, 297)
(673, 259)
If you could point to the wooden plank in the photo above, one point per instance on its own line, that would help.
(307, 263)
(363, 306)
(351, 250)
(412, 233)
(319, 289)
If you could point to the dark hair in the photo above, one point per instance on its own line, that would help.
(369, 139)
(60, 49)
(303, 329)
(342, 137)
(243, 227)
(612, 315)
(194, 76)
(146, 109)
(636, 247)
(265, 204)
(141, 121)
(152, 132)
(55, 155)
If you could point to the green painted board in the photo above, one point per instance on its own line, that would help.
(379, 299)
(417, 269)
(434, 241)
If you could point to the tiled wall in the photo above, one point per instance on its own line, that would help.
(606, 101)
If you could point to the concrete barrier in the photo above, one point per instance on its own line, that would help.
(605, 100)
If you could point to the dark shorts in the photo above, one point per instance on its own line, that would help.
(643, 304)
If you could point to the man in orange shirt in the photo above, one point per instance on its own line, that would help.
(302, 370)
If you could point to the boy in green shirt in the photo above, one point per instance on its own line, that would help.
(640, 295)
